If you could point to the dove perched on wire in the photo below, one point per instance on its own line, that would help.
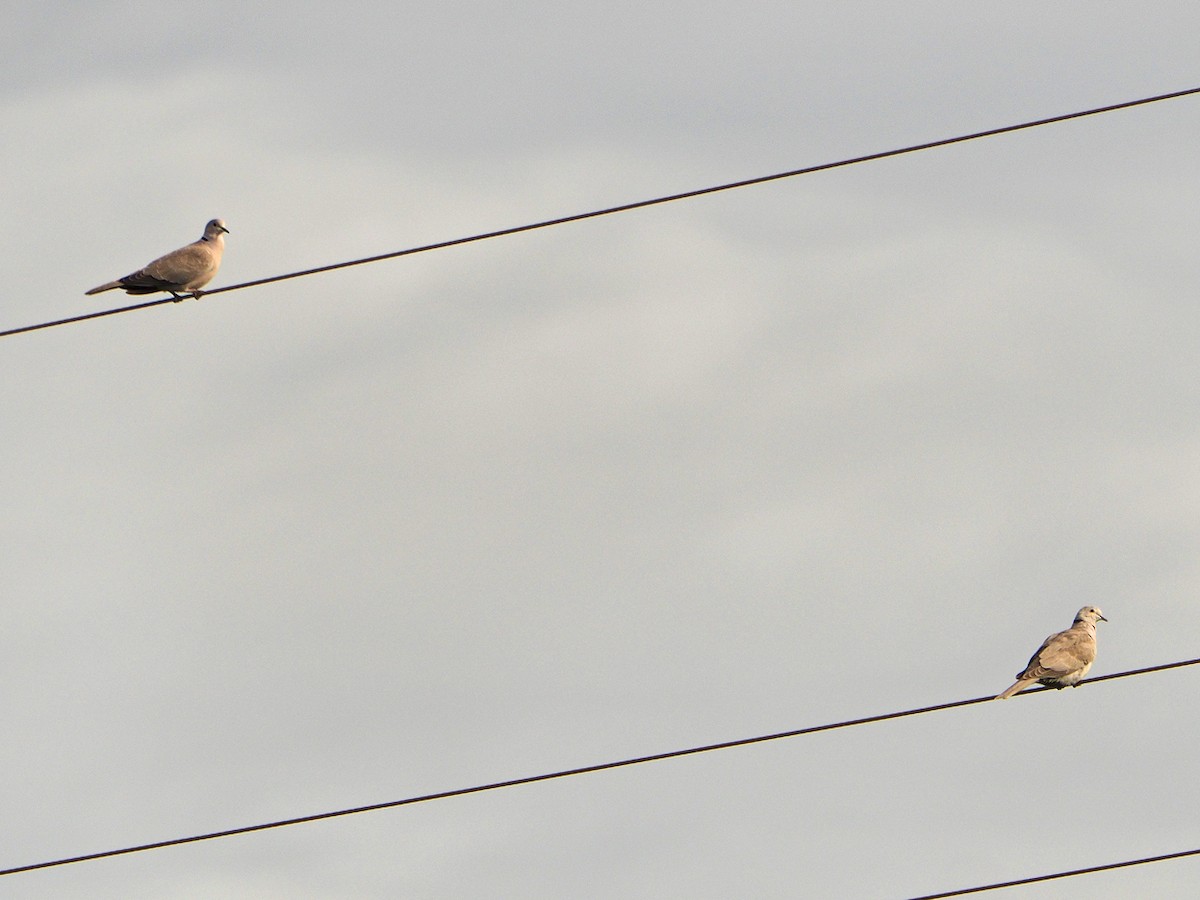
(1064, 658)
(182, 271)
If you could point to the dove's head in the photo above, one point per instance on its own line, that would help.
(215, 229)
(1090, 614)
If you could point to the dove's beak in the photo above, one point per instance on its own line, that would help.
(1102, 619)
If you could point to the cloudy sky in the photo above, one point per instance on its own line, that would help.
(829, 447)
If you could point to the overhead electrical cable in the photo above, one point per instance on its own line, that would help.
(627, 207)
(582, 770)
(962, 892)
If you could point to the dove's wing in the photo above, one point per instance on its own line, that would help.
(186, 269)
(1062, 654)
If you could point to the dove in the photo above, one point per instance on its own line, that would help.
(1064, 658)
(185, 270)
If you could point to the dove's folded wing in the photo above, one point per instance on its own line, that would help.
(1067, 652)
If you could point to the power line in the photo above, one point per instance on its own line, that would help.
(962, 892)
(627, 207)
(582, 770)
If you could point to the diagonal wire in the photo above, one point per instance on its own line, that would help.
(962, 892)
(582, 770)
(626, 207)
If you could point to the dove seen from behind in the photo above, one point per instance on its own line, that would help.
(182, 271)
(1064, 657)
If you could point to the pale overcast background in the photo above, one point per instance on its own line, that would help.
(824, 448)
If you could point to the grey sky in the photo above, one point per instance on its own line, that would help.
(825, 448)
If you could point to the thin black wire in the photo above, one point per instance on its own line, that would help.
(962, 892)
(626, 207)
(582, 770)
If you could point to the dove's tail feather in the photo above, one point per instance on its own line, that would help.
(112, 285)
(1019, 686)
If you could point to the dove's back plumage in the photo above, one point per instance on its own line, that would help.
(1064, 657)
(185, 270)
